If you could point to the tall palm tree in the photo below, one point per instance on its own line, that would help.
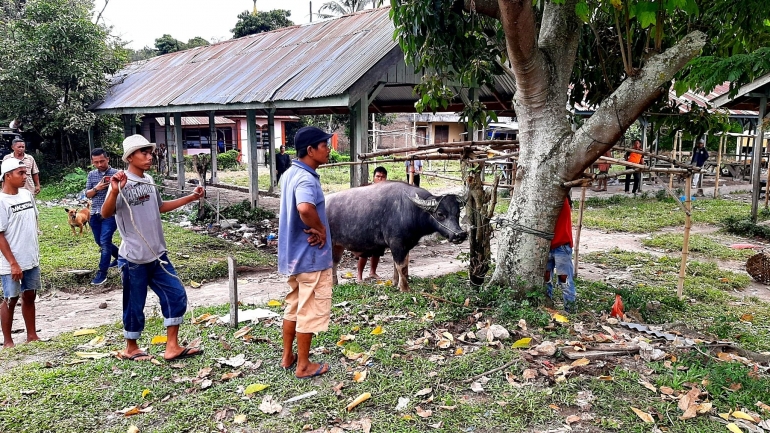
(336, 8)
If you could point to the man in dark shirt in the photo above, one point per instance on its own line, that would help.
(282, 162)
(699, 157)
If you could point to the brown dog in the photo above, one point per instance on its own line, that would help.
(79, 218)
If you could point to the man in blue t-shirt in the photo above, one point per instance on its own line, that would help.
(304, 252)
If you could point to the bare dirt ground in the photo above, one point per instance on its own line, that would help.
(64, 311)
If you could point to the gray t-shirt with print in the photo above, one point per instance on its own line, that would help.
(144, 203)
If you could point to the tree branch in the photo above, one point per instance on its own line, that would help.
(520, 27)
(489, 8)
(621, 109)
(559, 38)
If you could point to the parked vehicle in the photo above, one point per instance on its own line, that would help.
(6, 138)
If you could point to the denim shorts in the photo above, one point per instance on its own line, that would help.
(30, 280)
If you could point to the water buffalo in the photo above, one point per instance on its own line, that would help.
(393, 215)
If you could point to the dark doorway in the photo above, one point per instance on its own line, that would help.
(442, 134)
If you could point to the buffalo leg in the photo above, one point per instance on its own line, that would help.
(337, 251)
(401, 270)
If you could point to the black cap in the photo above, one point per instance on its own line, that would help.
(309, 135)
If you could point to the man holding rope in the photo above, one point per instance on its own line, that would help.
(136, 203)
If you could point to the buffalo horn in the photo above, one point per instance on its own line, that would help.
(429, 205)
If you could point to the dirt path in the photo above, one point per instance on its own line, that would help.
(60, 311)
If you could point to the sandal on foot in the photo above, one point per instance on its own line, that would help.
(135, 357)
(318, 372)
(186, 354)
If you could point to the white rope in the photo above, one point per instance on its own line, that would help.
(133, 223)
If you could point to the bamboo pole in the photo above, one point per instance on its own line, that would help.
(493, 143)
(592, 177)
(686, 241)
(579, 227)
(661, 157)
(460, 180)
(719, 166)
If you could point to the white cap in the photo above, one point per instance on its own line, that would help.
(133, 143)
(10, 165)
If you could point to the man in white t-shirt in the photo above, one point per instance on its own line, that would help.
(20, 258)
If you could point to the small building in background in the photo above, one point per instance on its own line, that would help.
(231, 133)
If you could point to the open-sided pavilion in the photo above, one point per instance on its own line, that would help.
(753, 97)
(349, 65)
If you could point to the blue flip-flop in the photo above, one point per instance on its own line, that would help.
(318, 372)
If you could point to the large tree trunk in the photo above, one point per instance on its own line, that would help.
(551, 153)
(537, 198)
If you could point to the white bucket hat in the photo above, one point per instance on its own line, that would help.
(133, 143)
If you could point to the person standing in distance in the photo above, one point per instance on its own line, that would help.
(20, 258)
(103, 228)
(380, 175)
(304, 252)
(282, 162)
(18, 146)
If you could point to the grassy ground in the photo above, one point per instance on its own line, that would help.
(644, 215)
(712, 246)
(648, 284)
(43, 392)
(196, 257)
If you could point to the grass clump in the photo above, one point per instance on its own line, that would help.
(743, 226)
(699, 244)
(640, 215)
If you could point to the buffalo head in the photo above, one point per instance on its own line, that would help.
(444, 213)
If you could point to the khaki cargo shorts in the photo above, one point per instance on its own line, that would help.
(310, 301)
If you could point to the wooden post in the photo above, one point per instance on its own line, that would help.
(167, 118)
(686, 241)
(756, 161)
(233, 276)
(253, 164)
(271, 147)
(179, 144)
(213, 147)
(579, 227)
(719, 165)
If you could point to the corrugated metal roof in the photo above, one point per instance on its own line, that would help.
(291, 64)
(196, 121)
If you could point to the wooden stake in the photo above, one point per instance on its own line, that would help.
(233, 285)
(579, 227)
(719, 166)
(686, 242)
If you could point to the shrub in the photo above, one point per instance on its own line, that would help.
(227, 160)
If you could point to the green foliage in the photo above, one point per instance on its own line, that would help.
(249, 23)
(227, 160)
(55, 63)
(334, 156)
(743, 226)
(241, 211)
(455, 46)
(168, 44)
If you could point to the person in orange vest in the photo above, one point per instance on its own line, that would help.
(635, 158)
(560, 259)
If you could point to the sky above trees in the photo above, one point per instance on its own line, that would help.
(143, 21)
